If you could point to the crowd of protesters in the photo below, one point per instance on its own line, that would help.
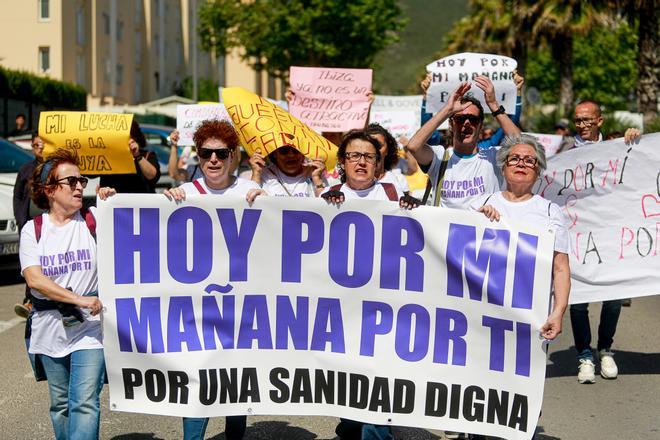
(64, 336)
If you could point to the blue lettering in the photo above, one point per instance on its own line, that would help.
(146, 327)
(145, 244)
(404, 329)
(214, 322)
(181, 310)
(255, 311)
(450, 325)
(294, 323)
(328, 314)
(393, 251)
(238, 240)
(177, 245)
(497, 328)
(523, 278)
(293, 245)
(363, 254)
(377, 319)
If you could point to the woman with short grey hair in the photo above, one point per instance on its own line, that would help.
(510, 141)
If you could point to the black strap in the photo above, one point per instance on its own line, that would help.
(441, 177)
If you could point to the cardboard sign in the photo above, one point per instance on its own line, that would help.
(263, 125)
(449, 72)
(400, 115)
(188, 118)
(99, 139)
(329, 99)
(427, 318)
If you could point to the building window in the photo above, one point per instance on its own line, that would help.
(120, 74)
(80, 26)
(80, 70)
(120, 30)
(44, 9)
(137, 19)
(137, 40)
(106, 23)
(44, 59)
(108, 69)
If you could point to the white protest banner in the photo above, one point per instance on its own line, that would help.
(610, 194)
(214, 307)
(189, 116)
(550, 142)
(330, 99)
(400, 115)
(448, 72)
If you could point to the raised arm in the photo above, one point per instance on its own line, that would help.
(485, 84)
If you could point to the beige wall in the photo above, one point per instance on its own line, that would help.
(154, 39)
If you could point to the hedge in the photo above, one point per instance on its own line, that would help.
(49, 93)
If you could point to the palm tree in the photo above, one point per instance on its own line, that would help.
(556, 22)
(645, 12)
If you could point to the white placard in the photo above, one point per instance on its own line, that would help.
(189, 116)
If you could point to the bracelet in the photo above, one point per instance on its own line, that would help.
(499, 111)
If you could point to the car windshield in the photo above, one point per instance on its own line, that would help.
(12, 157)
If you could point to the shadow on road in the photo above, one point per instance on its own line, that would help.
(564, 363)
(542, 435)
(137, 436)
(10, 271)
(273, 431)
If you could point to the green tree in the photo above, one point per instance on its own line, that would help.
(274, 35)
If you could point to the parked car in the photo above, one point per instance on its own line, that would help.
(12, 157)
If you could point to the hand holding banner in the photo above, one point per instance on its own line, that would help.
(263, 125)
(188, 117)
(448, 72)
(99, 139)
(328, 99)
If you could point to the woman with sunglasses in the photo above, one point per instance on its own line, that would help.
(58, 262)
(522, 160)
(289, 174)
(216, 143)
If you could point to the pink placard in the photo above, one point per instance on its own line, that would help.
(330, 99)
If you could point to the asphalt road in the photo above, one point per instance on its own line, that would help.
(627, 408)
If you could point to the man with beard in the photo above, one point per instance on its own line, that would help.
(462, 171)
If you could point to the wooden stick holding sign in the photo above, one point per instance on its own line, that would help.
(99, 139)
(448, 72)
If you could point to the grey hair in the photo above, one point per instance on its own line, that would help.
(524, 139)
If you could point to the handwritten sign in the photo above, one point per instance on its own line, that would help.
(266, 126)
(188, 117)
(448, 72)
(400, 115)
(551, 142)
(99, 139)
(329, 99)
(290, 314)
(610, 194)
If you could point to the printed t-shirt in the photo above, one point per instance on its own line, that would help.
(276, 183)
(465, 177)
(66, 255)
(537, 211)
(396, 178)
(374, 192)
(239, 187)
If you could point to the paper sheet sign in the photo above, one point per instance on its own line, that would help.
(263, 125)
(99, 139)
(448, 72)
(188, 118)
(328, 99)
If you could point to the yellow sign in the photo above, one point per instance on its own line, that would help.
(99, 139)
(263, 125)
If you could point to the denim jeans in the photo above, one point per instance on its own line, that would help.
(194, 428)
(351, 430)
(609, 317)
(75, 382)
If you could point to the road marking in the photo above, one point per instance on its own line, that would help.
(6, 325)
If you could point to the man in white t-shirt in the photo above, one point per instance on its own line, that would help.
(464, 171)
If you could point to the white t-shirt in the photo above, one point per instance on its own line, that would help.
(465, 177)
(276, 183)
(374, 192)
(536, 211)
(239, 187)
(396, 178)
(67, 255)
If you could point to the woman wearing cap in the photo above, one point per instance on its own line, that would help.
(58, 261)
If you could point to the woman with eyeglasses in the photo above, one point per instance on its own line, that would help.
(58, 262)
(216, 143)
(289, 174)
(522, 160)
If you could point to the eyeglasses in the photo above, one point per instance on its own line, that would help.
(460, 119)
(220, 153)
(72, 181)
(586, 122)
(528, 161)
(287, 150)
(354, 156)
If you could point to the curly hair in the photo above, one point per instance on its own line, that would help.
(347, 139)
(45, 175)
(392, 156)
(137, 135)
(214, 129)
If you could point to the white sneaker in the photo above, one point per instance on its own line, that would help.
(586, 371)
(608, 368)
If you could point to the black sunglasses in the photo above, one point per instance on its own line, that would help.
(460, 119)
(220, 153)
(72, 181)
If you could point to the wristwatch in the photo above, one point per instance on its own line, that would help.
(499, 111)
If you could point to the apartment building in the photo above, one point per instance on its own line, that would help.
(120, 51)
